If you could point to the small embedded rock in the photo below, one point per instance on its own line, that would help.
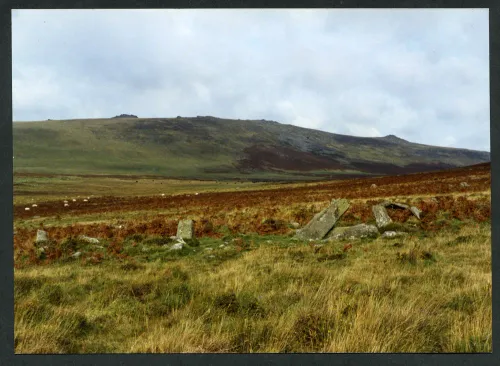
(88, 239)
(393, 234)
(177, 246)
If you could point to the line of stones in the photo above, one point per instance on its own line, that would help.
(322, 224)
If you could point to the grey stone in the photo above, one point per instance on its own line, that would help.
(76, 255)
(41, 236)
(324, 221)
(464, 184)
(185, 229)
(295, 225)
(381, 216)
(414, 210)
(177, 246)
(354, 232)
(373, 186)
(393, 234)
(88, 239)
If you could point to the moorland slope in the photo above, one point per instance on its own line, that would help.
(214, 148)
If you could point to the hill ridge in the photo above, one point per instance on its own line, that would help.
(207, 147)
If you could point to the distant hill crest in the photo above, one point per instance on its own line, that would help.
(394, 138)
(207, 147)
(125, 116)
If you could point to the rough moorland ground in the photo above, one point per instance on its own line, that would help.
(250, 286)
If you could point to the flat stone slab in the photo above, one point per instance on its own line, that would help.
(323, 222)
(185, 229)
(381, 216)
(414, 210)
(353, 232)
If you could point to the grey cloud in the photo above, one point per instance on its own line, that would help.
(419, 74)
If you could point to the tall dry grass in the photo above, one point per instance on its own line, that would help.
(267, 294)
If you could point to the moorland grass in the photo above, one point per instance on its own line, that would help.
(249, 293)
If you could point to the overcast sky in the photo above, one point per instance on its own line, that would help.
(420, 74)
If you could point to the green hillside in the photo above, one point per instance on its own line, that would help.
(213, 148)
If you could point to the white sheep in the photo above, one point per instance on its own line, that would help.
(65, 201)
(34, 205)
(26, 209)
(74, 200)
(196, 194)
(85, 200)
(66, 205)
